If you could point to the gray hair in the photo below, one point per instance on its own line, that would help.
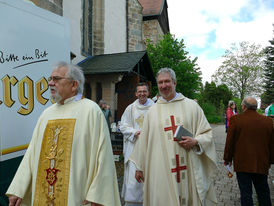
(250, 103)
(169, 71)
(101, 102)
(74, 73)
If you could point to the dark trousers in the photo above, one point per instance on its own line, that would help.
(259, 181)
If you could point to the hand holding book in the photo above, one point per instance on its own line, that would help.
(181, 131)
(188, 142)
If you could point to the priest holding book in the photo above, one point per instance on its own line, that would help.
(175, 172)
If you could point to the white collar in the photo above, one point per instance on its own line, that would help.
(73, 99)
(174, 98)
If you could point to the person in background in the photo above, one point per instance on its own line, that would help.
(131, 126)
(266, 110)
(175, 172)
(69, 160)
(230, 111)
(106, 111)
(250, 146)
(270, 112)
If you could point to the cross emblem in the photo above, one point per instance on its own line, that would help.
(172, 127)
(178, 168)
(140, 120)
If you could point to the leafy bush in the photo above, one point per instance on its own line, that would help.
(210, 113)
(214, 119)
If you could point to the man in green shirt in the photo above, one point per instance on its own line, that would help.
(271, 110)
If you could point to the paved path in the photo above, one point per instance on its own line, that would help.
(228, 193)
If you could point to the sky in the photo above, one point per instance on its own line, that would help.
(209, 27)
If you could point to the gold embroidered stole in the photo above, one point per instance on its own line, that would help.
(52, 180)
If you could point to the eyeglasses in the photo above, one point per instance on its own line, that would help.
(56, 78)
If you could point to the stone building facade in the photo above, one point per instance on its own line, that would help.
(106, 26)
(152, 31)
(135, 20)
(141, 20)
(155, 19)
(97, 30)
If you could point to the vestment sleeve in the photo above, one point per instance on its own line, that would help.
(21, 183)
(103, 188)
(138, 156)
(203, 134)
(127, 127)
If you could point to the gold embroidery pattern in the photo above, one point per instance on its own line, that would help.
(51, 187)
(140, 121)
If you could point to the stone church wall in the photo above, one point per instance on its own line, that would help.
(135, 33)
(152, 31)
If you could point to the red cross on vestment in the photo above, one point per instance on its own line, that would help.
(178, 168)
(172, 127)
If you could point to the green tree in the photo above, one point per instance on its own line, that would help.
(268, 96)
(242, 69)
(169, 52)
(217, 96)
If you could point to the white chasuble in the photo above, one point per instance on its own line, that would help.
(69, 159)
(131, 122)
(174, 176)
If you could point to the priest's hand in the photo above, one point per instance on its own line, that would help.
(139, 176)
(136, 135)
(85, 202)
(14, 200)
(188, 142)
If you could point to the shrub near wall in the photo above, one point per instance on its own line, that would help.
(211, 114)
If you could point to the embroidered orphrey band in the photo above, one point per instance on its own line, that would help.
(52, 180)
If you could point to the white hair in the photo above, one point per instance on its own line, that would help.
(74, 73)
